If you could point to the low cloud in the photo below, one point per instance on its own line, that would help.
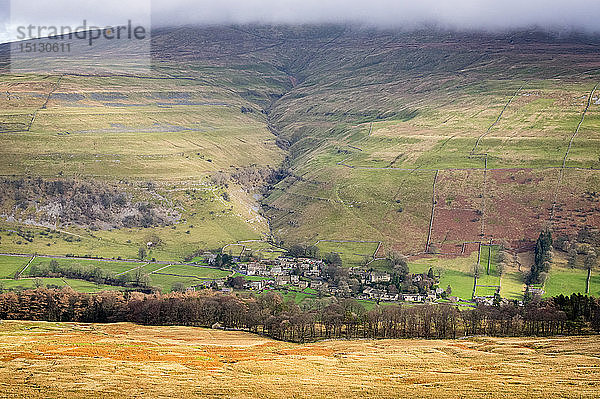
(454, 14)
(580, 15)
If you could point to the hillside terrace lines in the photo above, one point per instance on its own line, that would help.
(472, 153)
(122, 75)
(485, 167)
(564, 163)
(313, 197)
(369, 127)
(7, 90)
(115, 75)
(337, 200)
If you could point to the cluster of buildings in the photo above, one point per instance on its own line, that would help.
(303, 273)
(297, 272)
(371, 293)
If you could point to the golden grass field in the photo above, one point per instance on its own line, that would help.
(39, 359)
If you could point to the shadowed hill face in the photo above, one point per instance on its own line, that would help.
(419, 140)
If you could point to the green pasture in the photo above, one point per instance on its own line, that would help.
(352, 253)
(456, 272)
(11, 265)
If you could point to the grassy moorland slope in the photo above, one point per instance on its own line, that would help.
(157, 138)
(411, 139)
(116, 360)
(383, 121)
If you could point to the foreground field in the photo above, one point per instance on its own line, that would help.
(124, 360)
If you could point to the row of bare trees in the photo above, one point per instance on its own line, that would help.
(270, 315)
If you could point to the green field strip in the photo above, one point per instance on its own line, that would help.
(11, 265)
(568, 281)
(110, 266)
(352, 253)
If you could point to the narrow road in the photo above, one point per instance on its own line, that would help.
(132, 269)
(24, 267)
(162, 268)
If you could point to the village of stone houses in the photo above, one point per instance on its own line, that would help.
(322, 278)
